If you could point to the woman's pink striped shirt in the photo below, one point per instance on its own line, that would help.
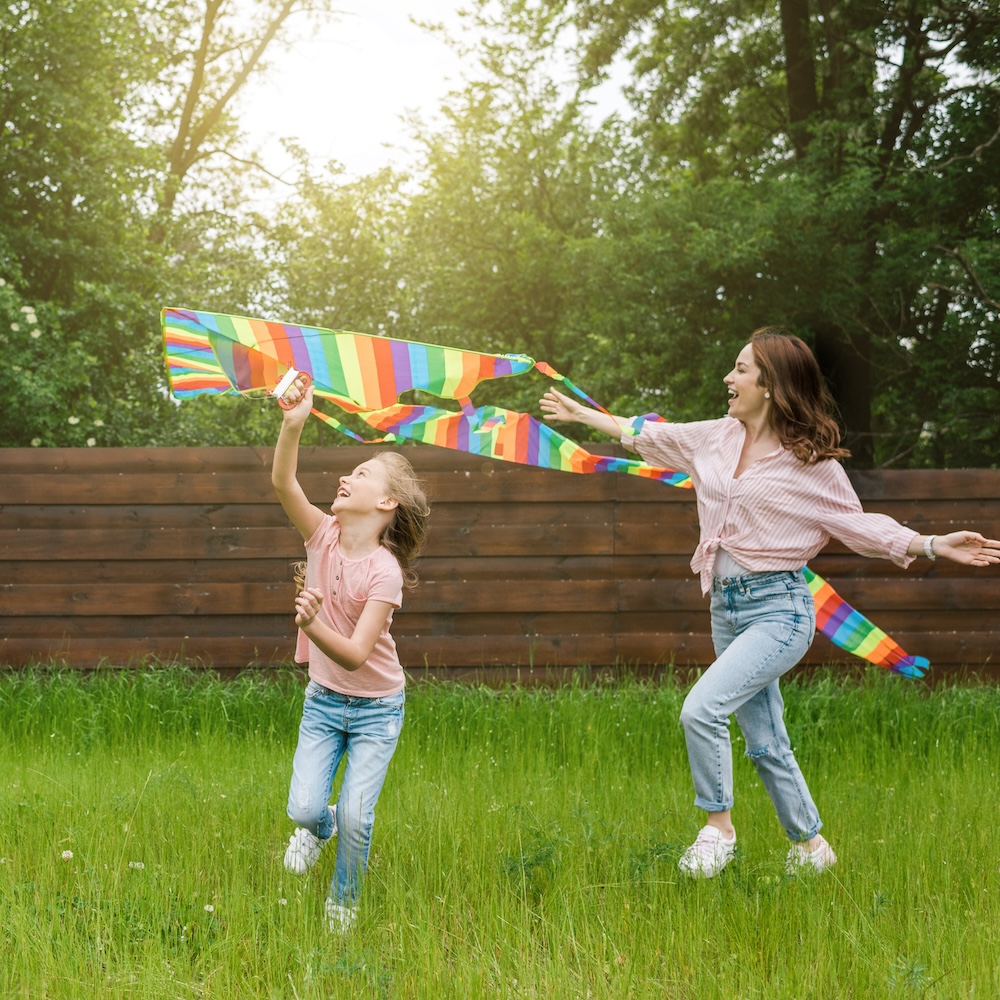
(779, 513)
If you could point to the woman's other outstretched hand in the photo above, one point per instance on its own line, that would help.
(968, 547)
(556, 406)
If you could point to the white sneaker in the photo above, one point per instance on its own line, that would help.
(819, 859)
(304, 848)
(708, 855)
(341, 917)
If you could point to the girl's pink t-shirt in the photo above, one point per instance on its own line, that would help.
(346, 585)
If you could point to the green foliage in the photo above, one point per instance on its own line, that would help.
(94, 98)
(834, 172)
(859, 148)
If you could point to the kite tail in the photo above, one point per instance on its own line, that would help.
(388, 438)
(849, 629)
(546, 369)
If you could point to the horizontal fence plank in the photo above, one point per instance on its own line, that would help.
(271, 598)
(279, 628)
(113, 555)
(457, 568)
(946, 650)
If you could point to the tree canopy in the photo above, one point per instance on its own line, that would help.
(829, 166)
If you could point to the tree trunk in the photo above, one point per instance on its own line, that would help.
(800, 71)
(846, 362)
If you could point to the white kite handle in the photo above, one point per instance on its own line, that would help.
(286, 380)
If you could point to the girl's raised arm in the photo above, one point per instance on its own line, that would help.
(304, 515)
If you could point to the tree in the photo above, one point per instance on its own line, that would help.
(122, 180)
(479, 246)
(214, 51)
(72, 179)
(890, 111)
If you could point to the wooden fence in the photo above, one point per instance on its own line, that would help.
(114, 555)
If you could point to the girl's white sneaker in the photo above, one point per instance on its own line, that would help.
(341, 918)
(819, 859)
(304, 848)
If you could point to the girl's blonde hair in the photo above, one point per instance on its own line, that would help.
(404, 535)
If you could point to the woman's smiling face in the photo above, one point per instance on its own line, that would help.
(746, 395)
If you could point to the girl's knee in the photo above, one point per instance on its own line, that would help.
(306, 815)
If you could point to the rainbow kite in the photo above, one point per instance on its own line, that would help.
(365, 375)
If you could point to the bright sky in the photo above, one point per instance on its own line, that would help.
(342, 91)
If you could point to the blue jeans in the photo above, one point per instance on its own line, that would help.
(762, 625)
(366, 730)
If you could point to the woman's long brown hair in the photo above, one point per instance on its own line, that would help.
(802, 410)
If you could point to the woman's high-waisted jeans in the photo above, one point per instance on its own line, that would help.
(367, 730)
(762, 625)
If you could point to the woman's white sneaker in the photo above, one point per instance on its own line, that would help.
(708, 855)
(802, 859)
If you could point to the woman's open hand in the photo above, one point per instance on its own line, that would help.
(968, 547)
(556, 406)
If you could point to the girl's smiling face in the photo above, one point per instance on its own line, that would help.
(746, 394)
(364, 490)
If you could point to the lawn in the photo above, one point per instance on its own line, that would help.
(525, 846)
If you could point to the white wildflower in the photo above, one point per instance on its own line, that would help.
(137, 865)
(36, 333)
(209, 908)
(36, 442)
(15, 327)
(98, 423)
(73, 420)
(91, 442)
(67, 855)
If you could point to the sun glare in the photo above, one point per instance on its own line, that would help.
(342, 91)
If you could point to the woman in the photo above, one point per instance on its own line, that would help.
(770, 494)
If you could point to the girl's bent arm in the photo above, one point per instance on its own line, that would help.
(351, 653)
(284, 469)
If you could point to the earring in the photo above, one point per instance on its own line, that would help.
(767, 395)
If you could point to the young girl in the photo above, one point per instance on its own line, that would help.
(770, 495)
(358, 561)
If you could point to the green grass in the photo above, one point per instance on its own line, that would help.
(525, 846)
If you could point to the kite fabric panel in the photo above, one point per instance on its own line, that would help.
(365, 375)
(850, 630)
